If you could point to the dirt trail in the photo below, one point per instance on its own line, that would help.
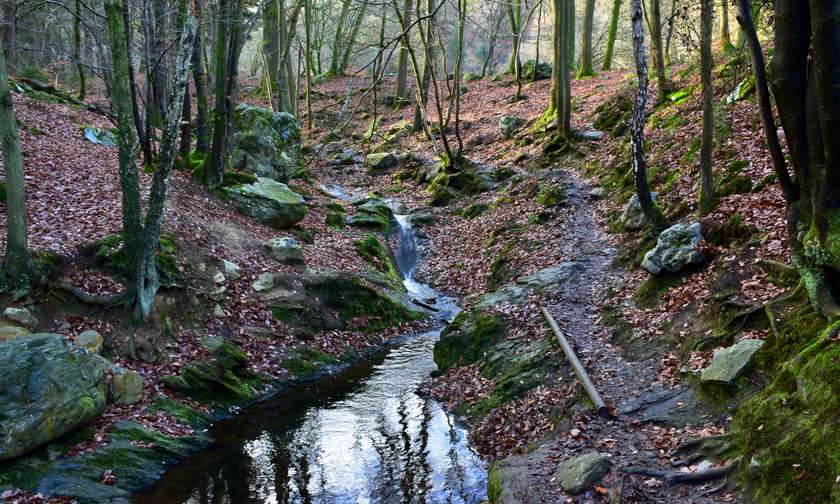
(650, 416)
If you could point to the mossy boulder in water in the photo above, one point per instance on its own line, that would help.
(48, 389)
(224, 377)
(269, 202)
(265, 143)
(332, 299)
(372, 214)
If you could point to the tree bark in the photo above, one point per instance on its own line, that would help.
(402, 61)
(354, 33)
(337, 40)
(560, 84)
(585, 69)
(725, 40)
(16, 261)
(423, 92)
(77, 51)
(637, 126)
(657, 53)
(200, 82)
(271, 49)
(707, 189)
(9, 25)
(608, 56)
(216, 170)
(515, 19)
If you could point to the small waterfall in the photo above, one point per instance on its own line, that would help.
(406, 253)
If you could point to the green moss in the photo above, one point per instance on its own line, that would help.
(550, 195)
(649, 292)
(467, 338)
(304, 362)
(494, 483)
(474, 210)
(371, 249)
(336, 220)
(791, 430)
(181, 412)
(500, 270)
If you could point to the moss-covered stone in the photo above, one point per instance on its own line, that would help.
(467, 338)
(789, 434)
(304, 362)
(269, 202)
(222, 379)
(371, 249)
(372, 214)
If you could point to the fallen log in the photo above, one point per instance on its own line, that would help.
(580, 371)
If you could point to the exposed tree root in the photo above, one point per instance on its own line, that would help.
(678, 478)
(122, 298)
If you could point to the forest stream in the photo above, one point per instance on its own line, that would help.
(363, 435)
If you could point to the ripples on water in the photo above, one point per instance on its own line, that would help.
(364, 436)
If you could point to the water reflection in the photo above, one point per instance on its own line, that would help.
(362, 437)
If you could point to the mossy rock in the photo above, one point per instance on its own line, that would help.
(474, 210)
(329, 300)
(531, 70)
(467, 338)
(222, 379)
(613, 115)
(268, 202)
(336, 220)
(265, 143)
(379, 257)
(373, 214)
(304, 362)
(789, 434)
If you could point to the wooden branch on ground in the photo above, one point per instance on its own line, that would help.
(580, 371)
(114, 300)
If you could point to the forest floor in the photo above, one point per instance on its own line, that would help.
(639, 347)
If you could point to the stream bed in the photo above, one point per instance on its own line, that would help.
(363, 435)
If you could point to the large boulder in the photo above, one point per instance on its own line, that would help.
(47, 389)
(269, 202)
(509, 124)
(372, 213)
(380, 162)
(545, 281)
(285, 250)
(576, 475)
(223, 377)
(332, 299)
(633, 218)
(677, 248)
(728, 363)
(21, 316)
(265, 143)
(533, 71)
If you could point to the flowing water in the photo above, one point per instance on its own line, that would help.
(362, 436)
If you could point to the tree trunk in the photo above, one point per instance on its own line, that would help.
(402, 61)
(585, 69)
(16, 262)
(515, 19)
(77, 50)
(354, 33)
(145, 141)
(462, 17)
(608, 56)
(725, 40)
(423, 92)
(271, 49)
(560, 84)
(216, 170)
(337, 41)
(707, 188)
(9, 25)
(200, 82)
(657, 53)
(307, 22)
(637, 126)
(570, 30)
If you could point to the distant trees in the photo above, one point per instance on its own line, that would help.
(611, 35)
(16, 262)
(585, 69)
